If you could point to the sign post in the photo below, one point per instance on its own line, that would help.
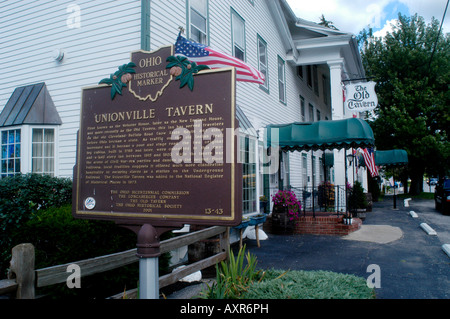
(148, 253)
(157, 149)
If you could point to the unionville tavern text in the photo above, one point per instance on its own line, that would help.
(198, 109)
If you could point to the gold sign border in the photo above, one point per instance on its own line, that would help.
(151, 216)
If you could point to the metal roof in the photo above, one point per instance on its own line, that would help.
(30, 104)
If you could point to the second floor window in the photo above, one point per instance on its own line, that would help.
(238, 35)
(281, 80)
(262, 58)
(198, 21)
(302, 109)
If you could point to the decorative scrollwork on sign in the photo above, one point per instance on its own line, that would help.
(119, 79)
(184, 70)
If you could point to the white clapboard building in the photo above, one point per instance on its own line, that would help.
(49, 50)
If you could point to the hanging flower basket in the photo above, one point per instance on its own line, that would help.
(286, 211)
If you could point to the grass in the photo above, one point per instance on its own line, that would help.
(280, 284)
(423, 195)
(238, 281)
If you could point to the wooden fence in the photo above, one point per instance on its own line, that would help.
(27, 278)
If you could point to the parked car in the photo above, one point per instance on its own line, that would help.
(442, 195)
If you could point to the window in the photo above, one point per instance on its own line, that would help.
(313, 168)
(198, 21)
(318, 115)
(305, 170)
(309, 76)
(311, 113)
(262, 59)
(300, 71)
(302, 109)
(316, 80)
(10, 153)
(281, 80)
(43, 151)
(321, 172)
(248, 160)
(325, 89)
(238, 35)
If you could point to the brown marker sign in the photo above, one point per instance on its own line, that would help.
(156, 153)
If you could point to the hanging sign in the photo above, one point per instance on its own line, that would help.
(361, 96)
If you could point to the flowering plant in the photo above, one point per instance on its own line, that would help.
(288, 198)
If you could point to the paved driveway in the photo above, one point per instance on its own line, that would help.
(412, 265)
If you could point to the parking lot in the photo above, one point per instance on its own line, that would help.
(412, 265)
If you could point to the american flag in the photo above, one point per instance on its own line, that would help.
(202, 54)
(369, 158)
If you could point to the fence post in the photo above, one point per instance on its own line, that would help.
(22, 265)
(224, 241)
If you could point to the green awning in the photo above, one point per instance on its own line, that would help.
(322, 135)
(391, 157)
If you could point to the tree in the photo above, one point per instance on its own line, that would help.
(411, 66)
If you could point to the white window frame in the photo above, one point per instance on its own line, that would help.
(281, 80)
(43, 157)
(236, 22)
(302, 109)
(6, 146)
(191, 8)
(249, 157)
(263, 68)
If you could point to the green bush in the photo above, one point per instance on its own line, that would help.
(279, 284)
(357, 198)
(21, 196)
(37, 209)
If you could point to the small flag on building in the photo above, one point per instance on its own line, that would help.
(369, 158)
(202, 54)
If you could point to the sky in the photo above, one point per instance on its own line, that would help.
(355, 15)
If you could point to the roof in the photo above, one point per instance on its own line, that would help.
(321, 135)
(31, 104)
(391, 157)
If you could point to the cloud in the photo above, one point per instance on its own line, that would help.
(386, 28)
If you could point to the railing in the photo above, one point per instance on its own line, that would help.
(27, 278)
(319, 199)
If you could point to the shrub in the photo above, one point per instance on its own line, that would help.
(357, 198)
(59, 238)
(21, 196)
(232, 277)
(279, 284)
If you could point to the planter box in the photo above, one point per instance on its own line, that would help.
(256, 220)
(281, 223)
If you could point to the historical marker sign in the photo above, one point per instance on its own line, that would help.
(158, 154)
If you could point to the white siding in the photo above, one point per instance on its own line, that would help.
(31, 30)
(110, 30)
